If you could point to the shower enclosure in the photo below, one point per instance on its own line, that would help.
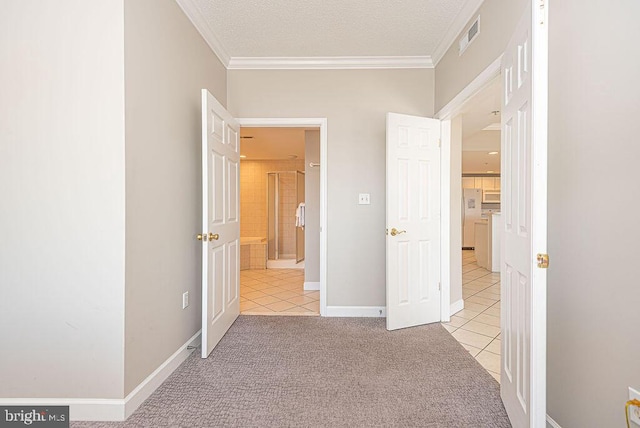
(285, 241)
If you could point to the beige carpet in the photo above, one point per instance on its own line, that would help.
(325, 372)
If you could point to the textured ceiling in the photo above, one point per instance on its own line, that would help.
(327, 28)
(272, 143)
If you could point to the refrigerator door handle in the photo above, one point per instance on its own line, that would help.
(464, 215)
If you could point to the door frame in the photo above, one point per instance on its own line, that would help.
(317, 122)
(448, 219)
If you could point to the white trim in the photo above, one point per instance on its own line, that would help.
(445, 220)
(113, 409)
(328, 62)
(539, 125)
(457, 306)
(481, 81)
(304, 123)
(357, 311)
(191, 9)
(311, 286)
(285, 263)
(551, 423)
(461, 21)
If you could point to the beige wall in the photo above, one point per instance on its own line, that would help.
(166, 64)
(498, 19)
(253, 199)
(62, 193)
(355, 103)
(312, 207)
(593, 300)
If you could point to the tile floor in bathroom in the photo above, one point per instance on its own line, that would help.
(477, 326)
(276, 292)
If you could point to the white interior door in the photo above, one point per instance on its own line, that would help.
(220, 222)
(413, 221)
(524, 166)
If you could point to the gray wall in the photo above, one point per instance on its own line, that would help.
(62, 192)
(166, 64)
(593, 299)
(312, 207)
(355, 103)
(498, 18)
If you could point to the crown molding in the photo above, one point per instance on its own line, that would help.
(468, 11)
(194, 14)
(323, 63)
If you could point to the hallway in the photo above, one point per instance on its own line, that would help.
(477, 326)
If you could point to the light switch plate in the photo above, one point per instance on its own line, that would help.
(364, 199)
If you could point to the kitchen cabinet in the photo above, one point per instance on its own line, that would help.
(488, 183)
(468, 183)
(484, 183)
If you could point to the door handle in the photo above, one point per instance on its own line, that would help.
(201, 237)
(395, 231)
(213, 236)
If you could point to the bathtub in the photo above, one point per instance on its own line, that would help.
(253, 252)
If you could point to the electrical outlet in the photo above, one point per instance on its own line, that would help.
(185, 299)
(634, 411)
(364, 199)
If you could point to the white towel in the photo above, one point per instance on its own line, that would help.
(300, 215)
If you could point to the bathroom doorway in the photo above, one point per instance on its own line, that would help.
(279, 220)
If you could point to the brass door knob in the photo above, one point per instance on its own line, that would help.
(201, 237)
(213, 236)
(395, 231)
(543, 261)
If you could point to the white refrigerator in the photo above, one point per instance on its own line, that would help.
(471, 212)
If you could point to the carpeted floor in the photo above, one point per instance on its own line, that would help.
(325, 372)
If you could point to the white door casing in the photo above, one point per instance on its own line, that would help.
(220, 222)
(413, 209)
(524, 191)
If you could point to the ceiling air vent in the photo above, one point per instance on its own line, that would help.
(469, 36)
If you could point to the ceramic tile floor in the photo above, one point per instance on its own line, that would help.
(276, 292)
(477, 326)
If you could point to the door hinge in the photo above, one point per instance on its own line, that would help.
(541, 4)
(439, 287)
(439, 142)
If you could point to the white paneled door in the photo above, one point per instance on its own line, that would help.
(220, 222)
(524, 192)
(413, 221)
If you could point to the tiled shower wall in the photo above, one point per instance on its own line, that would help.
(253, 199)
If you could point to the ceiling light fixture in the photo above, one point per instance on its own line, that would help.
(243, 156)
(493, 153)
(490, 172)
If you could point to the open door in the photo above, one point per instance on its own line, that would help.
(524, 206)
(220, 222)
(413, 221)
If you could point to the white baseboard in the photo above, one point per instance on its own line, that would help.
(457, 306)
(551, 423)
(311, 286)
(285, 264)
(155, 379)
(113, 409)
(357, 311)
